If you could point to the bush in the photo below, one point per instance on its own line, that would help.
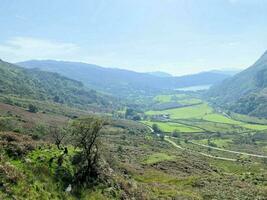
(33, 108)
(15, 144)
(176, 134)
(9, 173)
(8, 124)
(87, 134)
(156, 129)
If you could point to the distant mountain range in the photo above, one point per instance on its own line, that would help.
(123, 82)
(33, 84)
(230, 72)
(160, 74)
(246, 92)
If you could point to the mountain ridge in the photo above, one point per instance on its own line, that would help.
(122, 82)
(245, 92)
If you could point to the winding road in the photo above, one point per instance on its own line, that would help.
(229, 151)
(207, 146)
(203, 154)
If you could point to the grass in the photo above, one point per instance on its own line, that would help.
(157, 157)
(38, 180)
(169, 98)
(163, 98)
(165, 186)
(214, 117)
(201, 111)
(223, 119)
(170, 127)
(249, 119)
(178, 98)
(189, 101)
(196, 111)
(219, 142)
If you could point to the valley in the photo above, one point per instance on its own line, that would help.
(133, 100)
(173, 144)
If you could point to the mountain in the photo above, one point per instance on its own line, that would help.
(246, 92)
(160, 74)
(122, 82)
(34, 84)
(230, 72)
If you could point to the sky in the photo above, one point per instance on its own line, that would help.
(174, 36)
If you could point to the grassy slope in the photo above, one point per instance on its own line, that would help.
(45, 86)
(170, 127)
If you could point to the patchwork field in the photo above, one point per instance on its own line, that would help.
(200, 111)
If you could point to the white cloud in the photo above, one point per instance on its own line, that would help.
(24, 48)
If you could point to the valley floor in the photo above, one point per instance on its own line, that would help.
(199, 154)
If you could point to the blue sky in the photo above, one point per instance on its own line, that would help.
(176, 36)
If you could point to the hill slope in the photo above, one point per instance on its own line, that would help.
(122, 82)
(46, 86)
(245, 92)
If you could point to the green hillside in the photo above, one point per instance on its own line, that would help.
(46, 86)
(245, 93)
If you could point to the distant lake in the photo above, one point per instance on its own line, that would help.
(195, 88)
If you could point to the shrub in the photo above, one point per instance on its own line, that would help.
(33, 108)
(9, 173)
(176, 134)
(86, 134)
(15, 144)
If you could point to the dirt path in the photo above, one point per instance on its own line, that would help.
(149, 127)
(229, 151)
(173, 143)
(193, 152)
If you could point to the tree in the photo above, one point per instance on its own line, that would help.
(87, 138)
(156, 129)
(33, 108)
(162, 136)
(129, 112)
(136, 118)
(176, 134)
(58, 135)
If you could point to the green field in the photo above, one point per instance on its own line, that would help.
(182, 99)
(221, 143)
(157, 157)
(223, 119)
(169, 98)
(201, 112)
(170, 127)
(196, 111)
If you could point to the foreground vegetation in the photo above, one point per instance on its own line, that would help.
(63, 141)
(132, 161)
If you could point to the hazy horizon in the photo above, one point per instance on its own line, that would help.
(177, 37)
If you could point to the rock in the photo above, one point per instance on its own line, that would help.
(27, 160)
(69, 188)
